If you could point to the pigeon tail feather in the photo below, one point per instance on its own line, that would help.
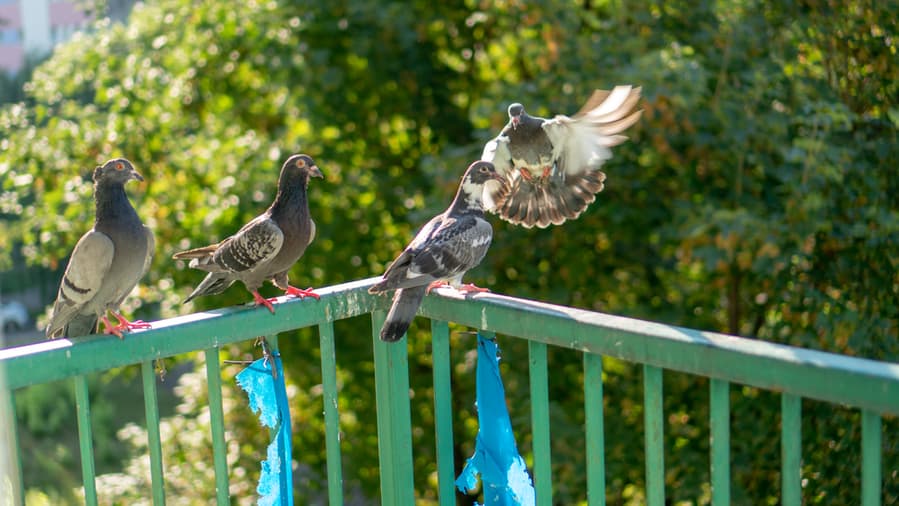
(79, 325)
(405, 306)
(214, 283)
(527, 204)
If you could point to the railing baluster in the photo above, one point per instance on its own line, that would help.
(85, 439)
(13, 458)
(394, 417)
(593, 413)
(654, 420)
(791, 450)
(871, 458)
(540, 421)
(151, 406)
(332, 416)
(443, 412)
(217, 422)
(719, 400)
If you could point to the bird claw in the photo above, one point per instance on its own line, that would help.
(299, 292)
(471, 288)
(260, 300)
(526, 175)
(123, 326)
(435, 284)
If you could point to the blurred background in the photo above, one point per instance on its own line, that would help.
(757, 196)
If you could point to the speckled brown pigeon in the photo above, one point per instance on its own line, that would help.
(266, 247)
(107, 261)
(447, 247)
(551, 166)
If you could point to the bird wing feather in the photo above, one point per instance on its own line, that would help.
(582, 142)
(256, 243)
(83, 277)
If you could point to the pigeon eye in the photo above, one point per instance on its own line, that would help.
(301, 164)
(119, 166)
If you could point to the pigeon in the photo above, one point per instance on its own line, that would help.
(266, 247)
(447, 247)
(107, 261)
(551, 166)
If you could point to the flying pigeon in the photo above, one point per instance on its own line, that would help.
(107, 261)
(266, 247)
(551, 166)
(448, 246)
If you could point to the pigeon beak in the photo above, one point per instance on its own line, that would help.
(515, 121)
(314, 171)
(135, 175)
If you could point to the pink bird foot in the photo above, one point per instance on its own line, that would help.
(299, 292)
(436, 284)
(471, 288)
(260, 300)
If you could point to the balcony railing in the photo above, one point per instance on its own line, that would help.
(870, 386)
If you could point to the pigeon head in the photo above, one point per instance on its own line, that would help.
(516, 111)
(301, 165)
(478, 174)
(117, 170)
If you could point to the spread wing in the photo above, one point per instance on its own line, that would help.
(256, 243)
(582, 142)
(84, 276)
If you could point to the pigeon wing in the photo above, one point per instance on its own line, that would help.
(84, 275)
(457, 246)
(582, 142)
(256, 243)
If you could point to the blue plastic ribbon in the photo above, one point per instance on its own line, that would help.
(268, 397)
(504, 475)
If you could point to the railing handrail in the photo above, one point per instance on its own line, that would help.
(859, 382)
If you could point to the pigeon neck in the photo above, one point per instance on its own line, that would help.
(468, 198)
(291, 193)
(112, 202)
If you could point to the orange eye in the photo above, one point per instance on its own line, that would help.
(119, 166)
(301, 163)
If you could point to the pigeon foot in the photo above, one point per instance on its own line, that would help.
(471, 288)
(436, 284)
(260, 300)
(299, 292)
(526, 175)
(110, 328)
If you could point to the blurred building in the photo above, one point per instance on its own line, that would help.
(33, 27)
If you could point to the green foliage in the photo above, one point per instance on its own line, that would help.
(757, 195)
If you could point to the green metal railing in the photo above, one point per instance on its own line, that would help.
(871, 386)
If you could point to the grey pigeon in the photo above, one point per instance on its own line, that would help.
(107, 262)
(551, 166)
(266, 247)
(447, 247)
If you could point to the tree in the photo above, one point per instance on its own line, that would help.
(755, 197)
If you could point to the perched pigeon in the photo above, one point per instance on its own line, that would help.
(448, 246)
(551, 166)
(107, 262)
(266, 247)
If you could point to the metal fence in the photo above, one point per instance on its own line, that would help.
(871, 386)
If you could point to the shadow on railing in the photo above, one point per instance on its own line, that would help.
(796, 373)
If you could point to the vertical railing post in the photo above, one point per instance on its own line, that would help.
(443, 412)
(540, 421)
(654, 420)
(328, 353)
(719, 414)
(871, 458)
(217, 425)
(151, 406)
(11, 461)
(394, 417)
(85, 440)
(791, 450)
(593, 416)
